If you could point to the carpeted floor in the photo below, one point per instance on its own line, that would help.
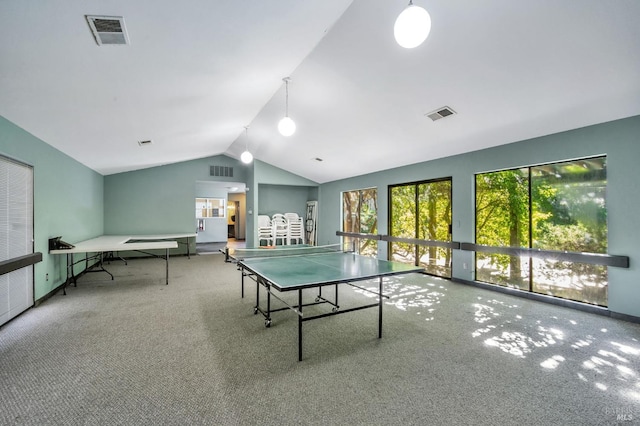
(215, 248)
(134, 351)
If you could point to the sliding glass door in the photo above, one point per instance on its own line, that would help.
(422, 210)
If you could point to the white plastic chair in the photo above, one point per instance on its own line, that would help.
(265, 230)
(280, 228)
(291, 216)
(296, 229)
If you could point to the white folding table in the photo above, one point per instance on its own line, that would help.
(116, 243)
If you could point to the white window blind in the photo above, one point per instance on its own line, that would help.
(16, 236)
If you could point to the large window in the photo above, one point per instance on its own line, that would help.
(360, 215)
(423, 211)
(561, 207)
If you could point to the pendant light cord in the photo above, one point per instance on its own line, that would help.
(286, 89)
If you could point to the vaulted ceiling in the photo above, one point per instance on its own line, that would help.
(196, 72)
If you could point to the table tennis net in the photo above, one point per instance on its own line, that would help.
(279, 251)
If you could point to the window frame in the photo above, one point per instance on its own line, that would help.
(416, 249)
(350, 240)
(595, 258)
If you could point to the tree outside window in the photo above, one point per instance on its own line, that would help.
(560, 206)
(422, 210)
(360, 215)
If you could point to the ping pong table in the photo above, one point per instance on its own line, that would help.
(297, 268)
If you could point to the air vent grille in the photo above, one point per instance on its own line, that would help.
(440, 113)
(107, 25)
(223, 171)
(108, 29)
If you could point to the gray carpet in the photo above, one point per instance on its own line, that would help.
(209, 248)
(134, 351)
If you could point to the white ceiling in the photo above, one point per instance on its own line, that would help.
(197, 71)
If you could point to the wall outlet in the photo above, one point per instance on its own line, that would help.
(465, 265)
(46, 277)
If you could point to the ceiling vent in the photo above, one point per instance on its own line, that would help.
(108, 29)
(440, 113)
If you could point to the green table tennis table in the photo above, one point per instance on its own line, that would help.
(296, 268)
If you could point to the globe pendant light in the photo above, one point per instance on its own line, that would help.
(246, 156)
(286, 126)
(412, 26)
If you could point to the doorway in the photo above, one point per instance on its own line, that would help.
(236, 220)
(226, 224)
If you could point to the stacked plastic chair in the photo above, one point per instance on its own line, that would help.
(265, 230)
(296, 229)
(280, 228)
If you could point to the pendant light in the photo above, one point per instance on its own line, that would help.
(412, 26)
(246, 156)
(286, 126)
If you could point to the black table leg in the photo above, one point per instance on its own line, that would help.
(380, 311)
(300, 325)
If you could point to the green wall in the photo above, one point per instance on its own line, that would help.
(284, 199)
(160, 199)
(619, 140)
(68, 200)
(273, 180)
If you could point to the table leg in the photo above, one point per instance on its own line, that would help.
(102, 265)
(242, 274)
(267, 322)
(380, 311)
(255, 311)
(69, 265)
(300, 325)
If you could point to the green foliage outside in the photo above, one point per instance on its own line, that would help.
(360, 215)
(422, 211)
(562, 208)
(502, 219)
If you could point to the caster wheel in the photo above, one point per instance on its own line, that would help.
(317, 299)
(335, 309)
(267, 323)
(255, 311)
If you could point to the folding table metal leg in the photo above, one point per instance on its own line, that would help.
(70, 274)
(166, 258)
